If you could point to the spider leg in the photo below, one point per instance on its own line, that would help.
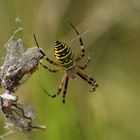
(88, 79)
(47, 59)
(50, 70)
(52, 62)
(81, 44)
(65, 88)
(38, 45)
(59, 89)
(86, 64)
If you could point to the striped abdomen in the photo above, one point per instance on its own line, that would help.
(63, 54)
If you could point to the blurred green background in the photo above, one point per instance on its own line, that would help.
(112, 34)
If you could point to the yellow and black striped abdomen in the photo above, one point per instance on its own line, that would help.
(63, 54)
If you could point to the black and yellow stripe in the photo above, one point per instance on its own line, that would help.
(63, 54)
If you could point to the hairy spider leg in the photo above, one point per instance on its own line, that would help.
(47, 59)
(65, 88)
(88, 79)
(59, 89)
(81, 44)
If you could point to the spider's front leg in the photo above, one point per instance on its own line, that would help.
(47, 59)
(81, 44)
(50, 70)
(86, 64)
(52, 62)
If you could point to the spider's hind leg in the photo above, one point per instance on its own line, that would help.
(65, 88)
(88, 79)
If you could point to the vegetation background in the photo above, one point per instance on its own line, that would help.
(112, 34)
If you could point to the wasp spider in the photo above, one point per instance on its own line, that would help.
(68, 62)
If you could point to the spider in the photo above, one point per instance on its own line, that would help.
(15, 112)
(68, 62)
